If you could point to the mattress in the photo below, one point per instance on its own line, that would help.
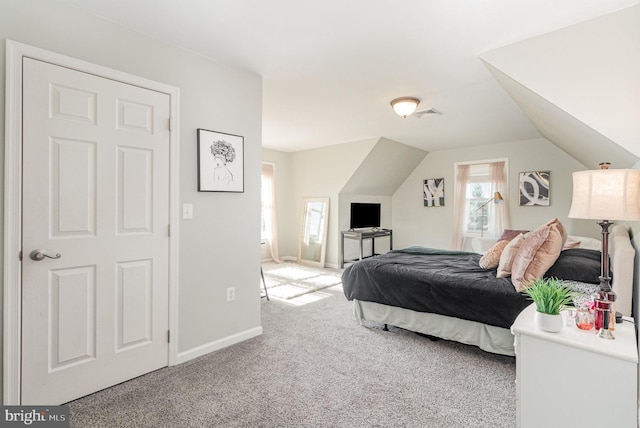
(443, 282)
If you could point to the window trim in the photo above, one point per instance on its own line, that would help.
(273, 166)
(468, 234)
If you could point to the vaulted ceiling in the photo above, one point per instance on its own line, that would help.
(580, 86)
(331, 67)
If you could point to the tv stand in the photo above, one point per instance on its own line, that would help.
(360, 236)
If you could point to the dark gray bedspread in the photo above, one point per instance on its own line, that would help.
(438, 281)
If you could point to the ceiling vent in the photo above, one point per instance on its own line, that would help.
(426, 113)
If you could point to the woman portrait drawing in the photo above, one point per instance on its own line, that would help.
(223, 153)
(220, 162)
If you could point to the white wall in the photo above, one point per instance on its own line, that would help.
(323, 173)
(219, 248)
(360, 171)
(315, 173)
(415, 224)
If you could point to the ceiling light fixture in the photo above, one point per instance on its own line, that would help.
(405, 106)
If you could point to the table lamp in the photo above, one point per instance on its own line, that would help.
(605, 195)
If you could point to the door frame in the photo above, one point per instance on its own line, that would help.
(12, 302)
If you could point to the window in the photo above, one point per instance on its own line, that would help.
(478, 191)
(268, 228)
(266, 201)
(475, 184)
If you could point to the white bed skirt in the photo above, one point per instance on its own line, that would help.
(488, 338)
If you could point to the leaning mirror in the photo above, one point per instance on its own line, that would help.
(312, 243)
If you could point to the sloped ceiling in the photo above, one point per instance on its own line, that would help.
(331, 67)
(385, 168)
(576, 138)
(580, 86)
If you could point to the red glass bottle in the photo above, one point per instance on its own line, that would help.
(604, 308)
(601, 307)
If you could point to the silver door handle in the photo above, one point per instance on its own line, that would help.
(38, 255)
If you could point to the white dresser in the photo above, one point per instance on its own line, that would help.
(574, 378)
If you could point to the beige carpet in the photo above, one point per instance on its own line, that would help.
(315, 366)
(288, 280)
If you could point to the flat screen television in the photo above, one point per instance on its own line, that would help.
(364, 215)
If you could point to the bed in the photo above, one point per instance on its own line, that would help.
(461, 301)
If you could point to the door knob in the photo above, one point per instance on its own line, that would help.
(38, 255)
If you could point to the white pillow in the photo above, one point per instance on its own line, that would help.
(588, 243)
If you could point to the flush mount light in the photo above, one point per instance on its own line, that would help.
(405, 106)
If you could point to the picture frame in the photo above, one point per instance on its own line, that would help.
(534, 188)
(433, 192)
(220, 162)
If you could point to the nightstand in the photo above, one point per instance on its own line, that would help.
(574, 378)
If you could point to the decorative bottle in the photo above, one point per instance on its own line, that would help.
(604, 305)
(597, 312)
(612, 312)
(584, 316)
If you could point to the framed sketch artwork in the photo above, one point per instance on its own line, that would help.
(220, 162)
(534, 188)
(433, 192)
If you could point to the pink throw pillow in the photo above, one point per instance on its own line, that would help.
(509, 234)
(507, 256)
(537, 254)
(571, 243)
(491, 258)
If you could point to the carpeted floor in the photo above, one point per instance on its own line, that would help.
(289, 280)
(314, 366)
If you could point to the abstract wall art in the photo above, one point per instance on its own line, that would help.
(534, 188)
(433, 192)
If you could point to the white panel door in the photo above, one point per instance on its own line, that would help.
(95, 191)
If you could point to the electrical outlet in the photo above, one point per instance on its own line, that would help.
(231, 294)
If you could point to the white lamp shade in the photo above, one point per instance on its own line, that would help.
(405, 106)
(606, 194)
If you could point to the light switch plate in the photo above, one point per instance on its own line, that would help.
(187, 211)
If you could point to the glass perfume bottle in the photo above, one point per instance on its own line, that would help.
(597, 314)
(584, 318)
(612, 317)
(603, 306)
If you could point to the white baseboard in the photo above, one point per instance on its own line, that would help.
(218, 344)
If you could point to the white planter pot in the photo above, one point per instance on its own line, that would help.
(546, 322)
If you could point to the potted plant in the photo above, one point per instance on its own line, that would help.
(550, 297)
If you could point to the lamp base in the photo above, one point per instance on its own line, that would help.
(605, 279)
(605, 333)
(606, 295)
